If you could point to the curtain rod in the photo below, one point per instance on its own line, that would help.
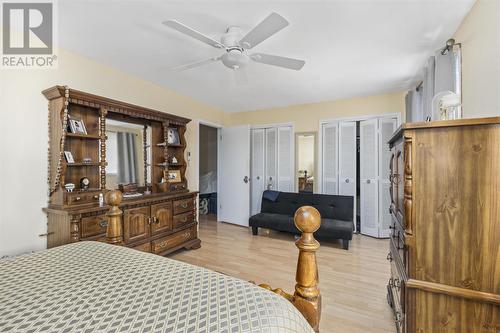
(449, 45)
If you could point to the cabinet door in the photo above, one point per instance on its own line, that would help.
(161, 215)
(136, 224)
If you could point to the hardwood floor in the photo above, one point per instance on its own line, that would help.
(352, 283)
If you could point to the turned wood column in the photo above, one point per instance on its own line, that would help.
(114, 232)
(307, 297)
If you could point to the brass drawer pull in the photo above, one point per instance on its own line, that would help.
(397, 283)
(184, 205)
(184, 219)
(77, 198)
(163, 244)
(186, 234)
(389, 256)
(103, 223)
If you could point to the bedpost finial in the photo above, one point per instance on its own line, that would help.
(114, 198)
(307, 219)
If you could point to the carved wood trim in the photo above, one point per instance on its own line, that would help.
(408, 184)
(91, 100)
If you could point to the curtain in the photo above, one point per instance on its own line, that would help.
(448, 71)
(127, 158)
(428, 88)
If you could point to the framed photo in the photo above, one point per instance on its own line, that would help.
(69, 157)
(77, 126)
(173, 136)
(173, 176)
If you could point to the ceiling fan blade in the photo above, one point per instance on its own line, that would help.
(240, 76)
(265, 29)
(193, 33)
(194, 64)
(273, 60)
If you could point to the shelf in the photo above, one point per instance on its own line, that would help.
(82, 164)
(83, 136)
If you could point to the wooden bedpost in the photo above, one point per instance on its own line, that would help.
(307, 297)
(114, 233)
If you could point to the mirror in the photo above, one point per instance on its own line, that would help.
(128, 153)
(306, 161)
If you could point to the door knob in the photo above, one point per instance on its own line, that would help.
(368, 181)
(347, 180)
(245, 180)
(258, 177)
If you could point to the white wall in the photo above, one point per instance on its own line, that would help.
(23, 135)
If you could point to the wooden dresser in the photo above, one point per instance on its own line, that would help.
(445, 239)
(161, 217)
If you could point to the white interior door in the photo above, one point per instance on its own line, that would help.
(347, 161)
(329, 159)
(258, 179)
(234, 191)
(368, 156)
(286, 169)
(387, 126)
(271, 165)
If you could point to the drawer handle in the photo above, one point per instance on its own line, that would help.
(186, 234)
(184, 205)
(154, 219)
(184, 219)
(96, 197)
(397, 283)
(391, 282)
(389, 256)
(163, 244)
(399, 317)
(103, 223)
(78, 199)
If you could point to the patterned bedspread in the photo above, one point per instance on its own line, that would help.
(96, 287)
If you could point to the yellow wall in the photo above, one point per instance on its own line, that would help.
(306, 117)
(23, 131)
(479, 34)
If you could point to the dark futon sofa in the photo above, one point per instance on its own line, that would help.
(278, 208)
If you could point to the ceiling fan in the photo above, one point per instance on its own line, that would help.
(235, 44)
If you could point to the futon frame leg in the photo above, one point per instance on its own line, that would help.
(255, 231)
(345, 244)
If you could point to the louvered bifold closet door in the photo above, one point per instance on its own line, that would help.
(285, 160)
(271, 158)
(330, 159)
(387, 126)
(257, 179)
(347, 161)
(368, 164)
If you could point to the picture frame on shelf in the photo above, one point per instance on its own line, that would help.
(173, 136)
(77, 126)
(69, 157)
(173, 176)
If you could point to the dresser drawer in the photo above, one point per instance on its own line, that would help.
(93, 226)
(146, 247)
(82, 198)
(168, 242)
(183, 206)
(183, 219)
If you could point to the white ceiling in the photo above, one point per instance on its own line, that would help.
(352, 48)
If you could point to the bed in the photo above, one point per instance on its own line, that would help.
(100, 287)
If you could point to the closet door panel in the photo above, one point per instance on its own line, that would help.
(257, 169)
(271, 164)
(330, 159)
(347, 160)
(285, 160)
(369, 177)
(387, 126)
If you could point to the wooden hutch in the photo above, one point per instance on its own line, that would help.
(445, 237)
(159, 218)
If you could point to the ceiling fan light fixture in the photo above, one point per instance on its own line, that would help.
(234, 59)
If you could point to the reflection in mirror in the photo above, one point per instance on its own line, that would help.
(128, 155)
(305, 143)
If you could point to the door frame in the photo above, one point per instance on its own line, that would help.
(218, 127)
(297, 134)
